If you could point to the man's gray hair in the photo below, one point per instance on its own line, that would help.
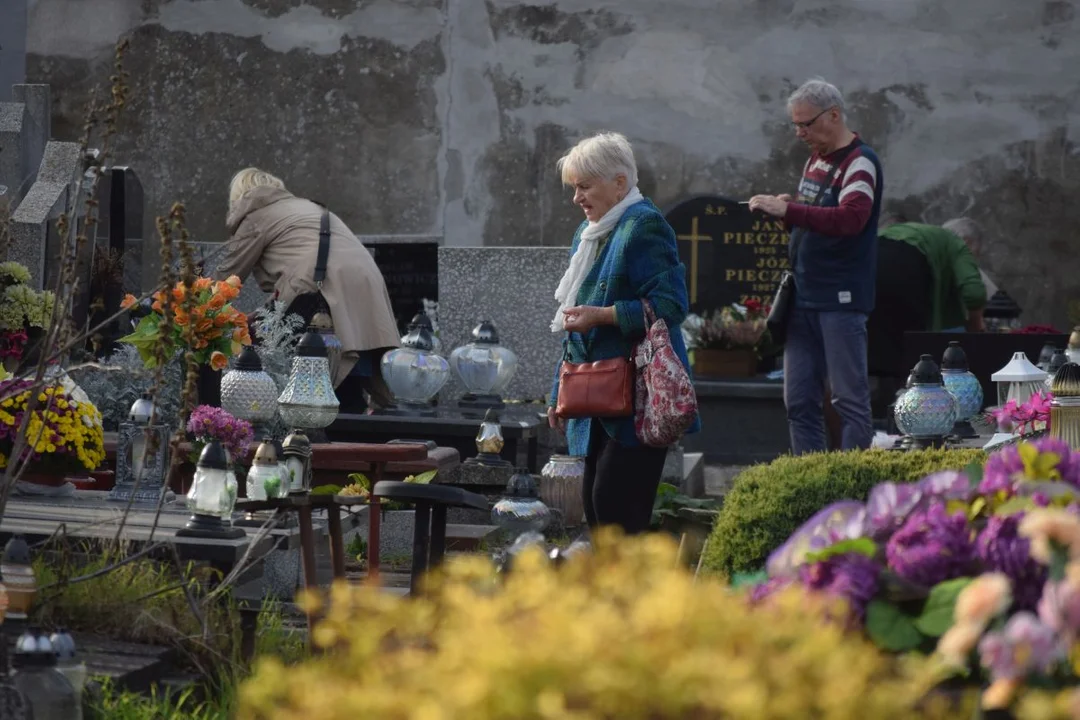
(968, 230)
(819, 94)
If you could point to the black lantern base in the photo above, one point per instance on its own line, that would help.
(210, 528)
(488, 460)
(964, 430)
(481, 401)
(408, 410)
(925, 443)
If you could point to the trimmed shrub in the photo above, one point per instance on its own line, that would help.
(769, 502)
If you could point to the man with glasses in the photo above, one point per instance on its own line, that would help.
(833, 227)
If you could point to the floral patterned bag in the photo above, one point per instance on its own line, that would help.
(665, 403)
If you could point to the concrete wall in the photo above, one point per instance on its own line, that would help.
(12, 46)
(445, 117)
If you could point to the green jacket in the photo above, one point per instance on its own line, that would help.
(958, 285)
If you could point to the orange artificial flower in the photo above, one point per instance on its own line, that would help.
(179, 292)
(180, 317)
(233, 281)
(203, 325)
(216, 302)
(218, 361)
(242, 336)
(227, 291)
(157, 307)
(128, 301)
(203, 283)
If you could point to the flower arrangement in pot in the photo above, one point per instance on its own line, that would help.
(730, 341)
(212, 329)
(978, 569)
(64, 436)
(208, 423)
(24, 313)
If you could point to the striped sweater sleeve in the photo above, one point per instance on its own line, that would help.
(858, 184)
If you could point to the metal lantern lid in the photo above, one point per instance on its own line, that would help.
(1001, 306)
(1059, 359)
(311, 345)
(485, 333)
(1066, 382)
(420, 320)
(142, 409)
(33, 650)
(64, 645)
(249, 360)
(926, 372)
(213, 457)
(954, 358)
(1045, 355)
(296, 444)
(522, 484)
(17, 552)
(265, 454)
(419, 338)
(1019, 369)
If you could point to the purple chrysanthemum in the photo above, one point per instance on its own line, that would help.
(761, 591)
(851, 576)
(1005, 468)
(931, 546)
(1001, 548)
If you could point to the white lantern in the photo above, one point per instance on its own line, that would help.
(212, 496)
(1018, 380)
(247, 391)
(266, 479)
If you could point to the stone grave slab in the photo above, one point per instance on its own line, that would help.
(731, 254)
(33, 222)
(514, 288)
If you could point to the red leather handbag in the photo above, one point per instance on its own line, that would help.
(599, 389)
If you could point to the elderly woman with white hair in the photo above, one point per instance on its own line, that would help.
(624, 252)
(276, 237)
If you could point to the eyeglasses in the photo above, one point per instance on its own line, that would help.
(806, 125)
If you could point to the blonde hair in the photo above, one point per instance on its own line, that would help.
(605, 155)
(250, 178)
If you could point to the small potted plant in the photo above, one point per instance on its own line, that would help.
(728, 342)
(64, 436)
(24, 314)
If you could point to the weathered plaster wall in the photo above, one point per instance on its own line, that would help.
(445, 117)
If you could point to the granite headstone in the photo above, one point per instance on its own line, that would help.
(731, 254)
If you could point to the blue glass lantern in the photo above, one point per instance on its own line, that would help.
(964, 386)
(927, 412)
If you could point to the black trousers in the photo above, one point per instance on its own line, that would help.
(620, 482)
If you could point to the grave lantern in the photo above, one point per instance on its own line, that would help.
(1045, 356)
(419, 321)
(267, 477)
(521, 510)
(49, 692)
(247, 391)
(1073, 349)
(484, 367)
(489, 442)
(212, 496)
(414, 372)
(926, 413)
(1018, 380)
(1059, 359)
(308, 400)
(142, 451)
(964, 386)
(1001, 313)
(18, 572)
(68, 661)
(1065, 407)
(296, 451)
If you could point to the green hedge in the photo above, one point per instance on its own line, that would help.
(768, 502)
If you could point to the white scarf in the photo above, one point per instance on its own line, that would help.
(585, 256)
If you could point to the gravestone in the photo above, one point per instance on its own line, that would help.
(411, 272)
(13, 168)
(33, 224)
(731, 255)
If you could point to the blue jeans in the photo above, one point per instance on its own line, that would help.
(826, 349)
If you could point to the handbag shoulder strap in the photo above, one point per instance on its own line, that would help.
(796, 240)
(324, 248)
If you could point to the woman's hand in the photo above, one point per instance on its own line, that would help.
(554, 421)
(583, 318)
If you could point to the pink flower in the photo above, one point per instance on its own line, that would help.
(1024, 646)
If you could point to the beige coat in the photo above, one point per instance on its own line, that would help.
(275, 237)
